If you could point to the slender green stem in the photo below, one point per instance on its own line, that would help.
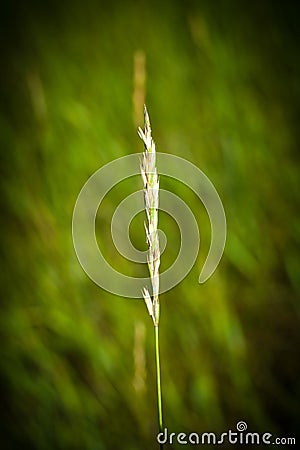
(158, 380)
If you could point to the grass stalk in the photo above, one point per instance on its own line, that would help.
(151, 194)
(158, 379)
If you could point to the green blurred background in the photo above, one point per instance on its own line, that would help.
(223, 91)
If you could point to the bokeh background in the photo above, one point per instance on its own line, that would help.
(221, 81)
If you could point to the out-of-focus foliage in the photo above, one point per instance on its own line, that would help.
(223, 91)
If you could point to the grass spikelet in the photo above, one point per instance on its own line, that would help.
(151, 192)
